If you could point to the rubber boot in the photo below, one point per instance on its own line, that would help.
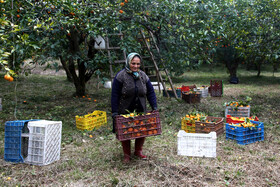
(139, 142)
(126, 150)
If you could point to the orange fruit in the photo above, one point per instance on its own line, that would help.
(126, 1)
(8, 78)
(150, 132)
(138, 134)
(155, 131)
(135, 130)
(18, 16)
(122, 4)
(90, 136)
(130, 129)
(121, 11)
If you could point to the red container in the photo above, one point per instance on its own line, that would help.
(234, 120)
(138, 127)
(187, 88)
(216, 124)
(230, 120)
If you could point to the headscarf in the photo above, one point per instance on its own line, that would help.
(128, 62)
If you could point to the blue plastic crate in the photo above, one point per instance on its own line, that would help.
(13, 140)
(245, 136)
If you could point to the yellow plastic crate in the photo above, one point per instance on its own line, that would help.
(188, 127)
(91, 121)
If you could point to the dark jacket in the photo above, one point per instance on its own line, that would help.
(126, 90)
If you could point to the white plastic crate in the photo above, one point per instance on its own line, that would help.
(197, 144)
(240, 112)
(203, 91)
(44, 142)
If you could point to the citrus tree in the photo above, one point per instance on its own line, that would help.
(65, 30)
(188, 33)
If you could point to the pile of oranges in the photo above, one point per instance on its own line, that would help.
(244, 124)
(193, 117)
(236, 104)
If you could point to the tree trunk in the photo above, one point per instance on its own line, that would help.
(64, 65)
(259, 64)
(259, 69)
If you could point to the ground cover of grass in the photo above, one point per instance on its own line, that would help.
(97, 161)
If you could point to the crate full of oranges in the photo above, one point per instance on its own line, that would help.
(188, 121)
(134, 125)
(91, 121)
(197, 122)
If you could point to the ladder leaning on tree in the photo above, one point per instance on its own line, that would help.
(153, 50)
(110, 48)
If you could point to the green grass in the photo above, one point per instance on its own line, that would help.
(97, 161)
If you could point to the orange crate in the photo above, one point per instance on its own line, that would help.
(216, 125)
(191, 98)
(187, 126)
(91, 121)
(138, 127)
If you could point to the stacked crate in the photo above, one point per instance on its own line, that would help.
(44, 142)
(246, 135)
(197, 144)
(13, 140)
(202, 90)
(187, 126)
(212, 124)
(237, 111)
(191, 97)
(35, 142)
(216, 88)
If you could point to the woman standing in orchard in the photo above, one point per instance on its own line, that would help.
(130, 88)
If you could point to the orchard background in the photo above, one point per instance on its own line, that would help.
(198, 40)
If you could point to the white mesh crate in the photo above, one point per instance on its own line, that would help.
(203, 91)
(197, 144)
(237, 112)
(44, 142)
